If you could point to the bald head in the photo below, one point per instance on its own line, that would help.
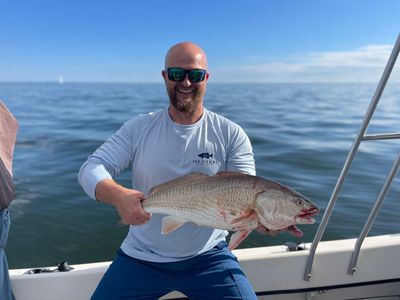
(186, 55)
(185, 94)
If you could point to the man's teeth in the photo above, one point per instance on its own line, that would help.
(185, 91)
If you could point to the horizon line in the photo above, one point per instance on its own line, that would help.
(213, 82)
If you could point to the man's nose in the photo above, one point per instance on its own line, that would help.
(186, 81)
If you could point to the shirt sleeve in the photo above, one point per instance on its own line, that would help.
(107, 161)
(240, 157)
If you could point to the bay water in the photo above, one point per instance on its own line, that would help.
(301, 136)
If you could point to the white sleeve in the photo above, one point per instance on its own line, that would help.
(240, 157)
(107, 161)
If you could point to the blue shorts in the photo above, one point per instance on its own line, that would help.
(5, 288)
(215, 274)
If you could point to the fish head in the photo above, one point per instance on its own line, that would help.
(279, 207)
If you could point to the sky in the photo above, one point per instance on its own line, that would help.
(310, 41)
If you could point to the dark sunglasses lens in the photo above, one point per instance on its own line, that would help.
(197, 75)
(176, 74)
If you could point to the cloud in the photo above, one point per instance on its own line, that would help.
(372, 56)
(364, 64)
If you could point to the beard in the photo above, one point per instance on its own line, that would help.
(187, 107)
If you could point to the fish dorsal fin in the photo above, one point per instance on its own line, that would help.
(170, 223)
(176, 182)
(230, 174)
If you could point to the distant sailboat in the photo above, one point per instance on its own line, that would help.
(61, 79)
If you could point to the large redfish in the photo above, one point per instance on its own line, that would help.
(231, 201)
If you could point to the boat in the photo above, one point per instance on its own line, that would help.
(276, 273)
(358, 268)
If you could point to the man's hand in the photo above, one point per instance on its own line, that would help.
(293, 230)
(128, 202)
(130, 208)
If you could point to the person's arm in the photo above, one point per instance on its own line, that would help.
(97, 173)
(126, 201)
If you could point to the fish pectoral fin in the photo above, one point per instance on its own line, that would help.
(237, 238)
(170, 224)
(249, 217)
(249, 221)
(245, 225)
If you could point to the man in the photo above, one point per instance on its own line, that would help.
(161, 146)
(8, 133)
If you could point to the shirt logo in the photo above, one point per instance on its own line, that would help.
(205, 155)
(206, 159)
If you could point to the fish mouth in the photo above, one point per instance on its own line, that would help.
(307, 214)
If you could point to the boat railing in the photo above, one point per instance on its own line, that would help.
(361, 136)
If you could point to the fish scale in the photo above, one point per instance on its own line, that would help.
(202, 199)
(230, 201)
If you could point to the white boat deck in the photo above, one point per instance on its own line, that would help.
(274, 272)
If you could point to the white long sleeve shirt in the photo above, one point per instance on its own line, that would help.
(160, 150)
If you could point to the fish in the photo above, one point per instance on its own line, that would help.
(230, 201)
(206, 155)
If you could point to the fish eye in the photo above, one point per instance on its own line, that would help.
(300, 202)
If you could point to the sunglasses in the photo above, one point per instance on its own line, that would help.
(179, 74)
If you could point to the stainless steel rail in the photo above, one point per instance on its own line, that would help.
(384, 136)
(360, 136)
(374, 212)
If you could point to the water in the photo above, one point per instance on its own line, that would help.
(301, 135)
